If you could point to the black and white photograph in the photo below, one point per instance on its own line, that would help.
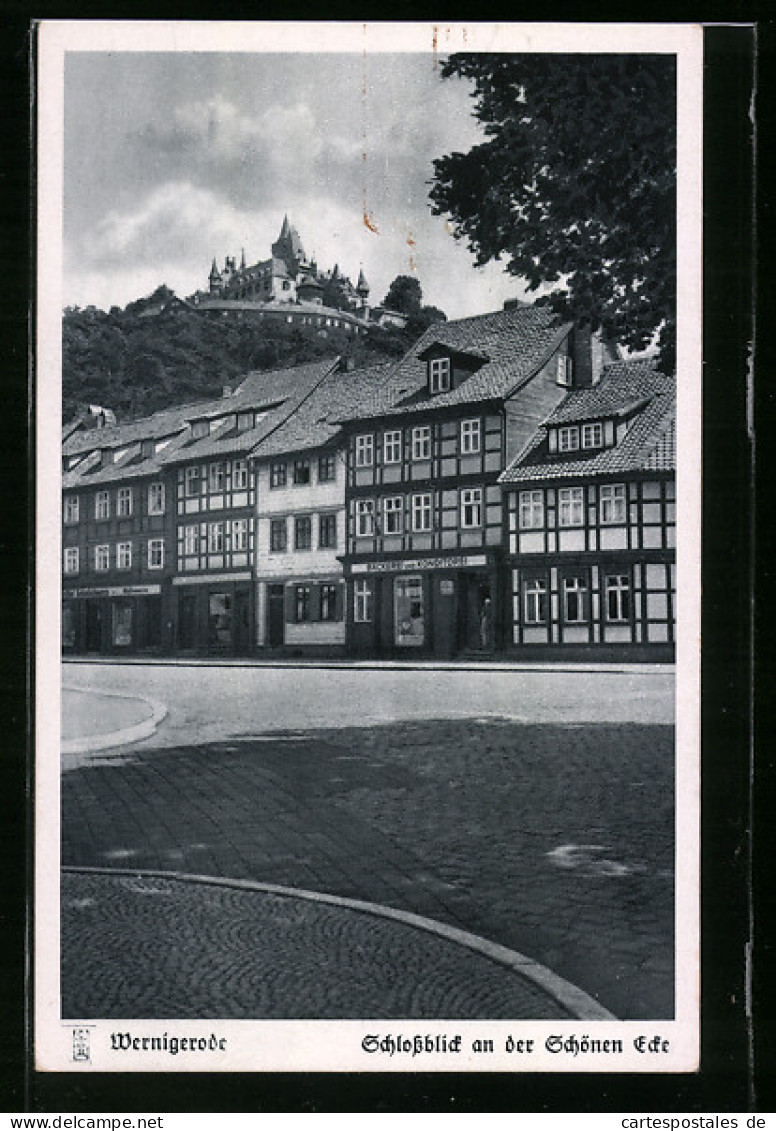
(369, 469)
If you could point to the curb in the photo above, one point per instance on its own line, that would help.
(91, 744)
(570, 997)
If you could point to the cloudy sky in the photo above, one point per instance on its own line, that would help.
(172, 159)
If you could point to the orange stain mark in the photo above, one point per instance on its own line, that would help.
(434, 40)
(369, 223)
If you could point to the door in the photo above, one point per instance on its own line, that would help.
(275, 616)
(408, 621)
(242, 624)
(93, 626)
(476, 613)
(187, 622)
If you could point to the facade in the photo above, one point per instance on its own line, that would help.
(590, 506)
(424, 564)
(301, 535)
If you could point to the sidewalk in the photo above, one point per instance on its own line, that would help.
(203, 947)
(98, 720)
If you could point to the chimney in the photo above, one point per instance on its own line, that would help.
(511, 303)
(590, 352)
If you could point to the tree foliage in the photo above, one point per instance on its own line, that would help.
(574, 186)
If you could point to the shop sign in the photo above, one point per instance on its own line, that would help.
(451, 561)
(115, 591)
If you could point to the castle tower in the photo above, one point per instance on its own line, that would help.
(215, 280)
(288, 247)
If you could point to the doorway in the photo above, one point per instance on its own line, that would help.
(93, 626)
(276, 616)
(187, 622)
(242, 624)
(475, 613)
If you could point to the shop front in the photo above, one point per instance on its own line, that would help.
(441, 605)
(214, 615)
(113, 620)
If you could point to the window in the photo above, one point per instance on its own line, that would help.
(192, 481)
(327, 531)
(470, 437)
(303, 533)
(531, 510)
(156, 498)
(327, 469)
(302, 602)
(277, 474)
(571, 508)
(328, 602)
(278, 535)
(592, 435)
(421, 442)
(471, 507)
(421, 512)
(535, 601)
(617, 589)
(200, 429)
(365, 451)
(124, 555)
(190, 540)
(301, 471)
(216, 478)
(362, 602)
(568, 439)
(239, 475)
(612, 504)
(439, 375)
(71, 508)
(245, 421)
(102, 505)
(101, 558)
(392, 512)
(71, 559)
(365, 518)
(392, 447)
(124, 502)
(574, 600)
(239, 534)
(156, 553)
(215, 538)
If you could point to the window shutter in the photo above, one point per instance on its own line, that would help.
(338, 600)
(290, 604)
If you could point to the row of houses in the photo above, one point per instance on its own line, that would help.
(505, 487)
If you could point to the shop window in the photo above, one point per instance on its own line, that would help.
(302, 602)
(278, 535)
(535, 601)
(239, 534)
(192, 481)
(156, 498)
(531, 505)
(365, 518)
(421, 442)
(327, 469)
(421, 513)
(219, 620)
(68, 625)
(362, 601)
(71, 509)
(277, 474)
(101, 558)
(190, 540)
(124, 555)
(301, 472)
(216, 478)
(239, 475)
(408, 611)
(328, 599)
(568, 439)
(124, 502)
(122, 624)
(365, 451)
(570, 506)
(471, 507)
(102, 505)
(612, 504)
(327, 531)
(592, 435)
(618, 597)
(574, 600)
(439, 375)
(470, 437)
(215, 538)
(156, 553)
(71, 560)
(303, 533)
(392, 446)
(392, 515)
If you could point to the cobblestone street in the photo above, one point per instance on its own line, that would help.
(554, 840)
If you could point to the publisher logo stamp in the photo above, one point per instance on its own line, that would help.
(81, 1044)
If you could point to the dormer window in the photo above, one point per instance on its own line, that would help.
(200, 429)
(593, 435)
(568, 439)
(563, 371)
(439, 375)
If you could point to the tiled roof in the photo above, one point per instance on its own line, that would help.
(516, 342)
(648, 444)
(281, 309)
(131, 465)
(160, 424)
(279, 392)
(315, 421)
